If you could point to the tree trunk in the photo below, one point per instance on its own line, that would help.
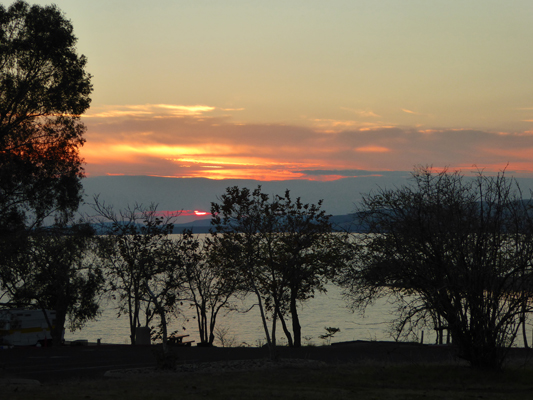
(296, 328)
(286, 330)
(161, 313)
(271, 349)
(274, 321)
(212, 321)
(57, 329)
(263, 318)
(202, 322)
(523, 321)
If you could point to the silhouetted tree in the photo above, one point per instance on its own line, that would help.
(305, 254)
(211, 283)
(284, 251)
(451, 251)
(43, 91)
(239, 219)
(56, 272)
(142, 262)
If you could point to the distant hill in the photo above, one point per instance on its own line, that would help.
(171, 194)
(197, 226)
(339, 222)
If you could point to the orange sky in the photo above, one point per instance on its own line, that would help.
(285, 88)
(203, 141)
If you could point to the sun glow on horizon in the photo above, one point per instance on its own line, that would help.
(372, 149)
(192, 146)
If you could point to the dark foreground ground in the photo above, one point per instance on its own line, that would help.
(91, 362)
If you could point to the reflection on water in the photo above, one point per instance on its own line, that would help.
(324, 310)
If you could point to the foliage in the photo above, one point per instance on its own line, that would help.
(142, 263)
(210, 283)
(166, 359)
(43, 90)
(282, 249)
(455, 253)
(56, 272)
(330, 332)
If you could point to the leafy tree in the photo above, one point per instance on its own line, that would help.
(453, 252)
(239, 219)
(305, 253)
(210, 282)
(284, 250)
(56, 272)
(142, 263)
(44, 89)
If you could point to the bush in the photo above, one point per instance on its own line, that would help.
(165, 359)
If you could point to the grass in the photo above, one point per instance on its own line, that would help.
(331, 382)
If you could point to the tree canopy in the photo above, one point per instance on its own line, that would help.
(455, 252)
(44, 89)
(282, 249)
(56, 271)
(142, 263)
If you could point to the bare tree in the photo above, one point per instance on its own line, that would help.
(451, 250)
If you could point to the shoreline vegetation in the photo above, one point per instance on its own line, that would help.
(454, 253)
(362, 370)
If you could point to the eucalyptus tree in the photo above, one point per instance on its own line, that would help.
(44, 89)
(452, 251)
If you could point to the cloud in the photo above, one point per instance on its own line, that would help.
(372, 149)
(186, 110)
(147, 110)
(409, 111)
(203, 141)
(362, 113)
(354, 173)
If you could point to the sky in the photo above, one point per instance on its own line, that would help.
(305, 89)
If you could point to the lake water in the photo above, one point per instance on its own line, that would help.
(325, 310)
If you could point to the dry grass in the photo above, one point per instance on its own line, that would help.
(330, 382)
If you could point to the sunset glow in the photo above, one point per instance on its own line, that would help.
(183, 213)
(188, 146)
(356, 85)
(372, 149)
